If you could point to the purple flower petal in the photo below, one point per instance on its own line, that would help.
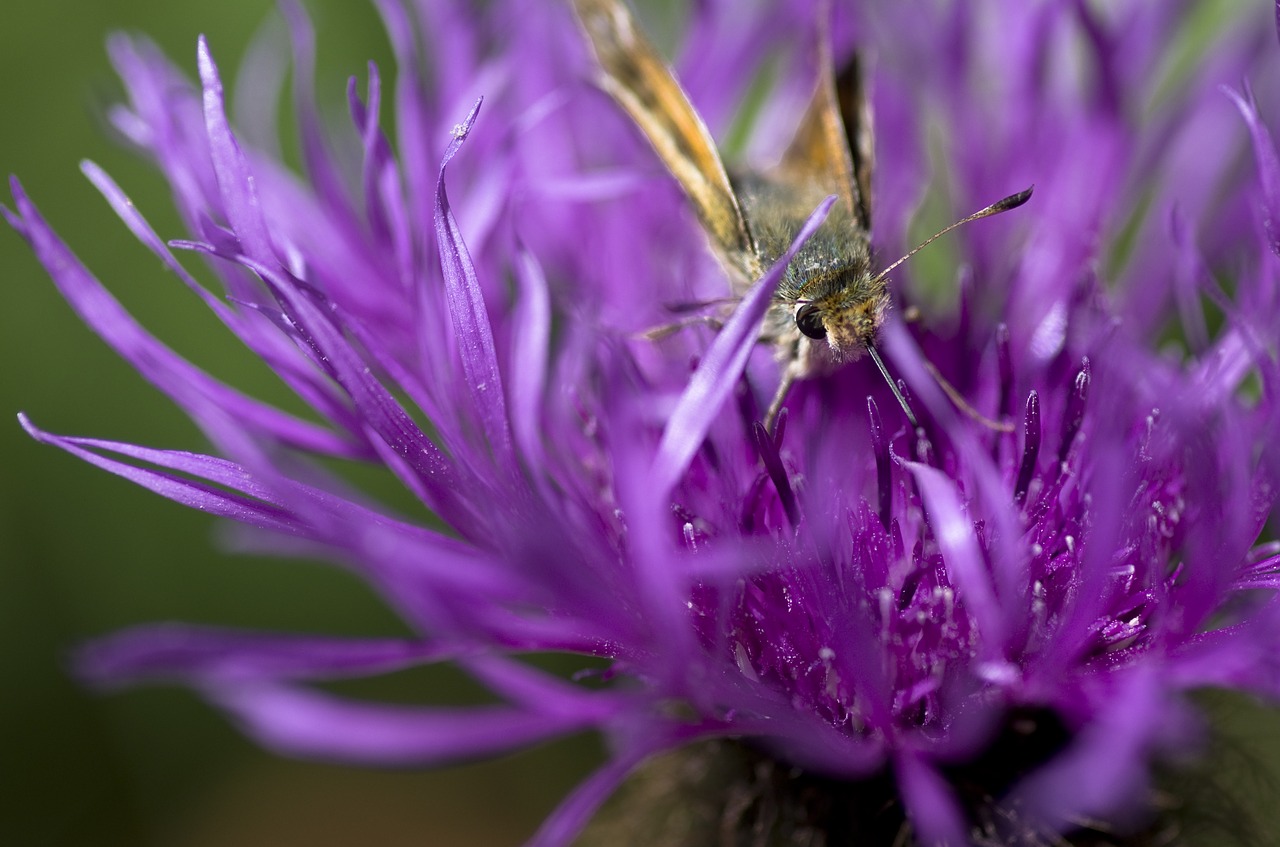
(235, 494)
(930, 803)
(529, 358)
(470, 318)
(1268, 163)
(311, 725)
(164, 368)
(203, 655)
(1104, 769)
(718, 372)
(1238, 656)
(431, 474)
(964, 559)
(193, 494)
(560, 828)
(239, 197)
(808, 592)
(322, 172)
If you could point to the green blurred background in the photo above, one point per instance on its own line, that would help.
(83, 553)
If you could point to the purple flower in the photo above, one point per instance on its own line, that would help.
(1005, 623)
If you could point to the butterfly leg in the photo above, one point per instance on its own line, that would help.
(957, 399)
(789, 376)
(658, 333)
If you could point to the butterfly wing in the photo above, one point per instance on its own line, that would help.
(859, 133)
(636, 77)
(832, 149)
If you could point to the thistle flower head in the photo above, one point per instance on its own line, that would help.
(1001, 620)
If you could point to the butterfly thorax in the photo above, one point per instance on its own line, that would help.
(832, 271)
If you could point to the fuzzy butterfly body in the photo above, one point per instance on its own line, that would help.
(829, 278)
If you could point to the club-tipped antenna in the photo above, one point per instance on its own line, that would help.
(1013, 201)
(893, 386)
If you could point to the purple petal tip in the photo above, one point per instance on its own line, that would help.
(462, 130)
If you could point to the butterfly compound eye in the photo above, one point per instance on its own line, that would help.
(809, 320)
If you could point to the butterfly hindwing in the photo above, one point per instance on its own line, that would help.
(831, 149)
(854, 103)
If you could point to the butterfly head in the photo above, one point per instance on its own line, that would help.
(847, 323)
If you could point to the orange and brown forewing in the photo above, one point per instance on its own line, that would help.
(636, 77)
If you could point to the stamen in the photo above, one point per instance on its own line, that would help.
(1030, 448)
(910, 584)
(884, 482)
(768, 452)
(1074, 414)
(1004, 362)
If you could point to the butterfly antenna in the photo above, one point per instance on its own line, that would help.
(1013, 201)
(893, 386)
